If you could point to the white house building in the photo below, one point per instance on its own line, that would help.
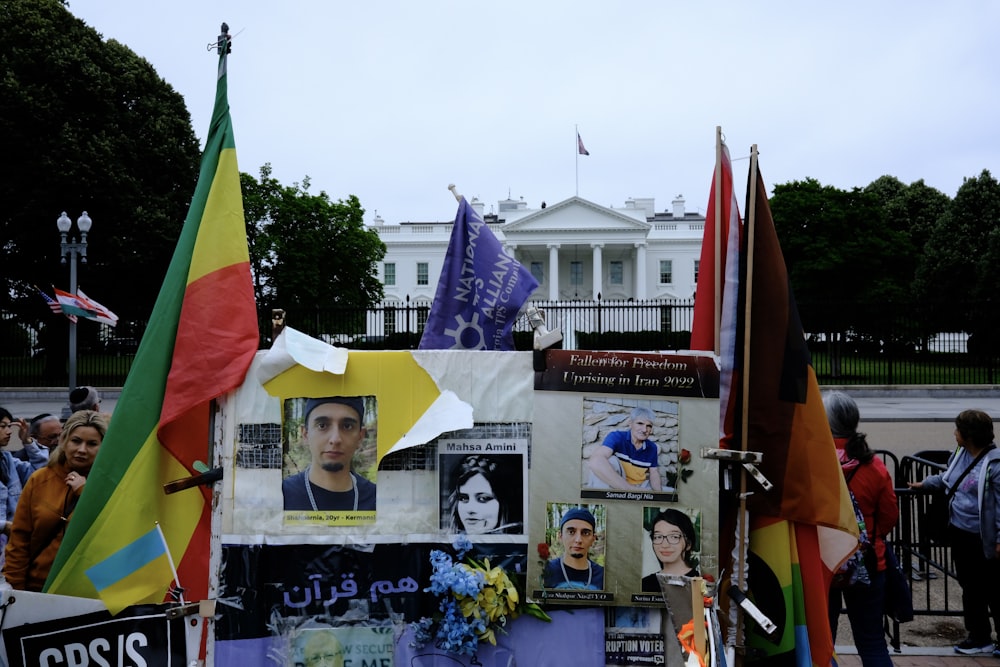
(576, 249)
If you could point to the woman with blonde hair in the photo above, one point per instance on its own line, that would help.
(48, 499)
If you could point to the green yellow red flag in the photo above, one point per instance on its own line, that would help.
(199, 343)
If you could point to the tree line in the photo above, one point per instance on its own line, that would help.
(89, 125)
(889, 242)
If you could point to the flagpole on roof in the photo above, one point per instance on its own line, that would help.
(576, 152)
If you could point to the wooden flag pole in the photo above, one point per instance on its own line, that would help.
(743, 518)
(718, 239)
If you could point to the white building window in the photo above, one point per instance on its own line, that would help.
(390, 273)
(422, 273)
(666, 271)
(576, 273)
(616, 273)
(389, 320)
(666, 319)
(538, 272)
(697, 268)
(422, 313)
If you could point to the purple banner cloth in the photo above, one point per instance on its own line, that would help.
(480, 292)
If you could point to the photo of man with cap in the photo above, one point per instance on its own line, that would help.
(333, 428)
(573, 568)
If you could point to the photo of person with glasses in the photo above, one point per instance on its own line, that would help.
(672, 536)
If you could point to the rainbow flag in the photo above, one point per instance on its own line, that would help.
(786, 422)
(200, 341)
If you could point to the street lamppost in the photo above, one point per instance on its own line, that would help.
(74, 248)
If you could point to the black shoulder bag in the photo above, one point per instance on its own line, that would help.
(938, 507)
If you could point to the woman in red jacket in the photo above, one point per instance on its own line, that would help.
(869, 481)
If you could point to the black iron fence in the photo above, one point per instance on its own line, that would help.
(918, 540)
(895, 346)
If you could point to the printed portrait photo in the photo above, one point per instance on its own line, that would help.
(576, 541)
(671, 544)
(631, 445)
(329, 463)
(341, 647)
(482, 492)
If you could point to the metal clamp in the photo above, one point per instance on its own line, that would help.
(731, 455)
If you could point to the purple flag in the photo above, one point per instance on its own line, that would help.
(480, 292)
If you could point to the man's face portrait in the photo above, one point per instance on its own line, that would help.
(48, 433)
(323, 650)
(577, 536)
(333, 432)
(641, 429)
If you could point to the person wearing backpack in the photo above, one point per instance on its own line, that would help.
(872, 487)
(972, 484)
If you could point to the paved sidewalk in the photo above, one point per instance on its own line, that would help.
(940, 658)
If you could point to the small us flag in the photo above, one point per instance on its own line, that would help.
(54, 305)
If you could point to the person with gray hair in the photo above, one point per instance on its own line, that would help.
(84, 398)
(872, 488)
(628, 460)
(43, 430)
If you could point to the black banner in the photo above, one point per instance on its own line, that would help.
(293, 583)
(140, 636)
(629, 373)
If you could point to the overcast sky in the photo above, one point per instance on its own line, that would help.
(393, 100)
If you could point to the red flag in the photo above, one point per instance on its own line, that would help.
(727, 218)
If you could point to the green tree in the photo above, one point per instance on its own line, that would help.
(911, 211)
(87, 125)
(308, 251)
(961, 257)
(835, 244)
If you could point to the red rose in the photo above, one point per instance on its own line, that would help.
(543, 550)
(684, 457)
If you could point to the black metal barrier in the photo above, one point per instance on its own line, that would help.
(923, 557)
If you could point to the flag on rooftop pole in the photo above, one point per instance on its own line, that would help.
(54, 305)
(199, 343)
(579, 146)
(480, 292)
(781, 415)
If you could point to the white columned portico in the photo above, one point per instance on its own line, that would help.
(598, 278)
(553, 271)
(640, 270)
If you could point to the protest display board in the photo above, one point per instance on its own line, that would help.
(475, 444)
